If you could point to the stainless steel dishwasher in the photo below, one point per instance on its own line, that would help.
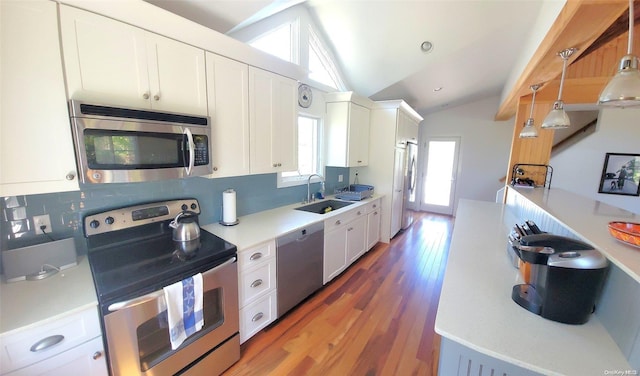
(300, 256)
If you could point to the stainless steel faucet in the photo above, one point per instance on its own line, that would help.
(311, 197)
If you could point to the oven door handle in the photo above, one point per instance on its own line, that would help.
(159, 293)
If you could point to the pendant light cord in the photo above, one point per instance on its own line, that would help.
(534, 88)
(632, 15)
(564, 69)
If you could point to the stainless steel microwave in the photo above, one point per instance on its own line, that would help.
(125, 145)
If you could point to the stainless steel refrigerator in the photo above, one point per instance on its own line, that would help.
(410, 184)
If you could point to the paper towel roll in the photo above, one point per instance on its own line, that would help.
(229, 206)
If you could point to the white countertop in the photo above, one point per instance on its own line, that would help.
(25, 304)
(259, 227)
(589, 220)
(476, 309)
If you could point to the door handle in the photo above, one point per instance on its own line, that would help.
(256, 283)
(159, 293)
(192, 151)
(45, 343)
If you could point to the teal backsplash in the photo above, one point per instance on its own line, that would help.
(254, 193)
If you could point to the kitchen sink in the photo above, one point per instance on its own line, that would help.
(323, 207)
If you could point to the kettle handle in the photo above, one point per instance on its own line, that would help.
(174, 223)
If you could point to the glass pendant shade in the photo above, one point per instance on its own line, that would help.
(624, 88)
(557, 118)
(529, 130)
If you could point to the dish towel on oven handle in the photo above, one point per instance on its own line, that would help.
(184, 309)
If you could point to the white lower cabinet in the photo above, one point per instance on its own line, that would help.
(257, 288)
(356, 239)
(344, 241)
(373, 223)
(69, 345)
(255, 316)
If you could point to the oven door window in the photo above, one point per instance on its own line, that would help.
(126, 150)
(153, 335)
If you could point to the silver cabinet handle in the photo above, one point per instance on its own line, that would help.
(375, 206)
(215, 169)
(45, 343)
(145, 95)
(256, 283)
(275, 165)
(255, 256)
(338, 222)
(96, 355)
(350, 229)
(257, 317)
(156, 97)
(359, 212)
(375, 213)
(70, 175)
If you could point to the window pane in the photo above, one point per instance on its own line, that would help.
(276, 42)
(308, 157)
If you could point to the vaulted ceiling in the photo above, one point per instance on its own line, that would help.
(477, 44)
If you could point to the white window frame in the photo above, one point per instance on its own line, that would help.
(300, 179)
(315, 44)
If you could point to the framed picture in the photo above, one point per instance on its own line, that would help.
(621, 174)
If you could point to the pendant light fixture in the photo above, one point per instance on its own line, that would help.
(529, 130)
(624, 88)
(558, 118)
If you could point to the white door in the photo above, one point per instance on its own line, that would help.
(439, 174)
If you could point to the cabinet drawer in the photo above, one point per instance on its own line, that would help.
(372, 206)
(85, 359)
(249, 257)
(257, 315)
(340, 220)
(44, 341)
(257, 282)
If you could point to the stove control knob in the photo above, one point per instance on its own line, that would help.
(184, 207)
(94, 224)
(193, 206)
(109, 220)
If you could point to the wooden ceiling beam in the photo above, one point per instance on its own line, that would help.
(578, 25)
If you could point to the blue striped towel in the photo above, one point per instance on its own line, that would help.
(184, 309)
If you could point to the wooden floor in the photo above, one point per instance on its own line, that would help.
(375, 319)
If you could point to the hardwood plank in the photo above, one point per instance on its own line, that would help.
(376, 318)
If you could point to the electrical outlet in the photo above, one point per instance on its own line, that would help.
(42, 220)
(340, 178)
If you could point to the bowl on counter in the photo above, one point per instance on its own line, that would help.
(627, 232)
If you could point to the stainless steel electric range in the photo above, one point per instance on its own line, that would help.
(133, 256)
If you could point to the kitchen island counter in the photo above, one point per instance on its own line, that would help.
(476, 310)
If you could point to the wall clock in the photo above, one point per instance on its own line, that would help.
(305, 95)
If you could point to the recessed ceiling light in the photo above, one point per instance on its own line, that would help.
(426, 46)
(437, 89)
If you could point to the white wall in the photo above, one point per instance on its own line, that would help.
(484, 148)
(579, 168)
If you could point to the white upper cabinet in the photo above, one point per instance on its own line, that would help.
(227, 87)
(347, 134)
(110, 62)
(273, 122)
(35, 136)
(407, 129)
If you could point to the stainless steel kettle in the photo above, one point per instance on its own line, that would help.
(185, 227)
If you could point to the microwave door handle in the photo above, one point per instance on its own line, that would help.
(192, 151)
